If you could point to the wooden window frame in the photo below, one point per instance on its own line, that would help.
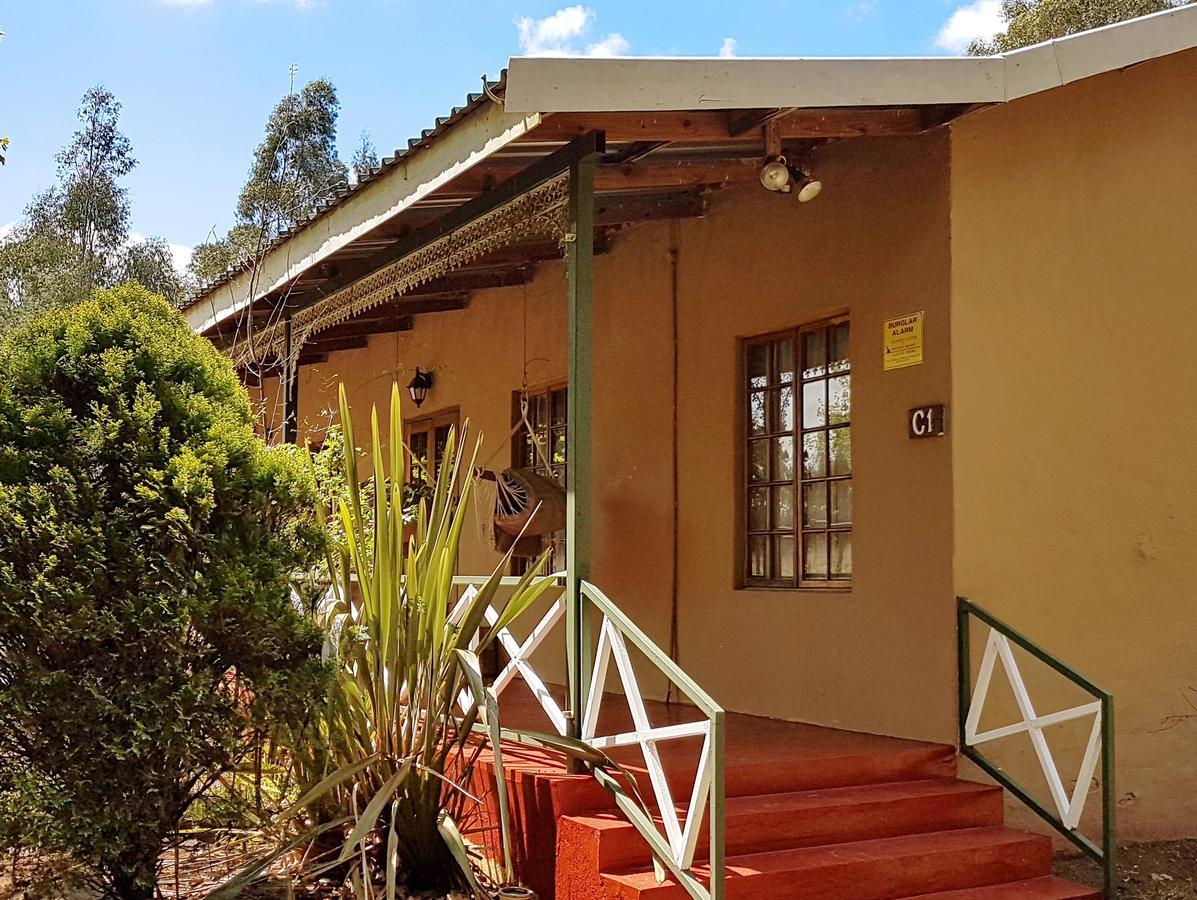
(517, 445)
(743, 579)
(428, 424)
(517, 455)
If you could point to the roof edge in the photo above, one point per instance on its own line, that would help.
(642, 84)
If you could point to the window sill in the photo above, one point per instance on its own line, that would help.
(829, 588)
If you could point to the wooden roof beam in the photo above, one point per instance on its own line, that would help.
(717, 126)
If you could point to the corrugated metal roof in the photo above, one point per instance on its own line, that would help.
(414, 145)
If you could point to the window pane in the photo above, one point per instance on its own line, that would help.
(783, 459)
(814, 556)
(814, 404)
(758, 461)
(840, 443)
(758, 556)
(558, 455)
(784, 360)
(839, 347)
(814, 505)
(758, 365)
(758, 509)
(560, 401)
(814, 455)
(539, 411)
(783, 507)
(756, 412)
(783, 410)
(814, 357)
(840, 400)
(841, 555)
(841, 503)
(784, 547)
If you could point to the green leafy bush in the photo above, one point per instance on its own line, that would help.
(147, 536)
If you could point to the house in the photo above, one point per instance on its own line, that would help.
(795, 432)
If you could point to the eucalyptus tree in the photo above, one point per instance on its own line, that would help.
(294, 170)
(1034, 21)
(74, 237)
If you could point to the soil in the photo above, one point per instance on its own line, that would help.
(1166, 870)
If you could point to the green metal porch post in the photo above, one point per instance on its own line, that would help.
(579, 261)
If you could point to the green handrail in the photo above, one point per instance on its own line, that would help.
(1106, 852)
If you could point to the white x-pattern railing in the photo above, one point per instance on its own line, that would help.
(1065, 810)
(676, 848)
(519, 653)
(1070, 808)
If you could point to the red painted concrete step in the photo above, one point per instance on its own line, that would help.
(1047, 888)
(609, 843)
(867, 870)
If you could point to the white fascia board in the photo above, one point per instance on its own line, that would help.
(578, 84)
(631, 84)
(1068, 59)
(460, 148)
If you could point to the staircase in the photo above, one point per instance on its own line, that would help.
(924, 834)
(810, 813)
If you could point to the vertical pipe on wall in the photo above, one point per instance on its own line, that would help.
(674, 651)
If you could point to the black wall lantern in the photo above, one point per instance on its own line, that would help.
(419, 386)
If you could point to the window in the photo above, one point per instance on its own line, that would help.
(797, 520)
(547, 417)
(427, 438)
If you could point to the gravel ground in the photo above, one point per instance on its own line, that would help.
(1166, 870)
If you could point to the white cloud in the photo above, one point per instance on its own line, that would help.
(7, 229)
(728, 48)
(180, 254)
(185, 2)
(614, 44)
(863, 10)
(563, 34)
(979, 19)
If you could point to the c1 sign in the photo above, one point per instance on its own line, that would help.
(926, 421)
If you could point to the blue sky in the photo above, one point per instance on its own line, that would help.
(198, 77)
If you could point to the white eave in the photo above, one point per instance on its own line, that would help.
(396, 190)
(639, 84)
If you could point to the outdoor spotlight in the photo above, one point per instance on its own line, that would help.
(808, 188)
(419, 386)
(775, 175)
(778, 175)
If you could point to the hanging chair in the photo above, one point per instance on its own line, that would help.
(528, 507)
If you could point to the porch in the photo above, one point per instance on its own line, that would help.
(611, 272)
(810, 812)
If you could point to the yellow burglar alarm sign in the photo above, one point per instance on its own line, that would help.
(904, 341)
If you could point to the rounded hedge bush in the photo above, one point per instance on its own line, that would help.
(147, 538)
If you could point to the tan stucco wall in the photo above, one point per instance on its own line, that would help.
(878, 657)
(1074, 313)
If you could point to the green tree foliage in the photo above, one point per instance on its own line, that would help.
(75, 235)
(295, 169)
(365, 158)
(147, 537)
(150, 264)
(1034, 21)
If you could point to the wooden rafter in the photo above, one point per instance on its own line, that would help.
(714, 127)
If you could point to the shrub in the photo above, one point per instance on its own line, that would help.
(146, 541)
(396, 740)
